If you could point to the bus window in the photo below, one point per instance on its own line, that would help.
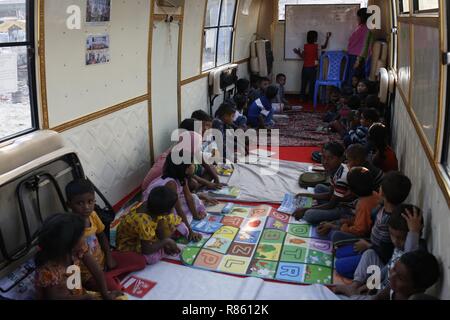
(18, 112)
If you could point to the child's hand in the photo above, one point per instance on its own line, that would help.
(171, 247)
(361, 246)
(299, 213)
(111, 264)
(414, 220)
(324, 228)
(194, 236)
(214, 186)
(329, 35)
(200, 216)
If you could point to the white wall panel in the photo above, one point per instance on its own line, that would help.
(194, 11)
(194, 96)
(114, 150)
(164, 83)
(74, 89)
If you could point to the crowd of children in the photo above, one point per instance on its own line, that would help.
(361, 211)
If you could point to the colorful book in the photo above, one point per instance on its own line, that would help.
(206, 226)
(291, 203)
(226, 192)
(138, 287)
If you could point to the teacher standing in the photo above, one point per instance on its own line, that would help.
(359, 47)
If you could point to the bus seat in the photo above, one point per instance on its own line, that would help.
(34, 170)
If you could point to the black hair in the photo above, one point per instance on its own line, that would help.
(58, 236)
(357, 152)
(78, 187)
(311, 36)
(240, 100)
(264, 79)
(396, 187)
(225, 109)
(378, 137)
(281, 75)
(423, 267)
(175, 171)
(354, 102)
(396, 221)
(372, 101)
(188, 124)
(363, 14)
(371, 114)
(161, 200)
(335, 148)
(360, 181)
(201, 115)
(271, 92)
(242, 85)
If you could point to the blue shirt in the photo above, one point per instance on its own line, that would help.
(261, 106)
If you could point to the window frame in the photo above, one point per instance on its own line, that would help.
(416, 10)
(218, 29)
(445, 155)
(30, 45)
(300, 4)
(401, 11)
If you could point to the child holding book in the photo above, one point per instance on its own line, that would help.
(150, 227)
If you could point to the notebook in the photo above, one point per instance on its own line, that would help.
(226, 192)
(290, 203)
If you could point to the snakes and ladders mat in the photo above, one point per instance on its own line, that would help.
(264, 243)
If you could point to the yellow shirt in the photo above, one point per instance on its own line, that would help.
(90, 235)
(136, 227)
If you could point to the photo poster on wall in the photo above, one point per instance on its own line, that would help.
(97, 49)
(98, 12)
(340, 20)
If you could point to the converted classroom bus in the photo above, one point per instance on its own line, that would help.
(96, 88)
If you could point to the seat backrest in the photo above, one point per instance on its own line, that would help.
(335, 60)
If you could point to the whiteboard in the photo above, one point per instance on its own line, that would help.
(340, 20)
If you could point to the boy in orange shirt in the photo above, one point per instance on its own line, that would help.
(360, 182)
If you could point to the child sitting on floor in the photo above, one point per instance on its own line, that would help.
(360, 183)
(334, 202)
(243, 87)
(356, 156)
(81, 200)
(205, 171)
(394, 190)
(383, 155)
(405, 227)
(411, 276)
(176, 177)
(148, 229)
(343, 125)
(240, 120)
(362, 91)
(61, 245)
(280, 98)
(222, 122)
(260, 112)
(368, 118)
(259, 89)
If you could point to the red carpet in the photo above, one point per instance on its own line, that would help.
(298, 154)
